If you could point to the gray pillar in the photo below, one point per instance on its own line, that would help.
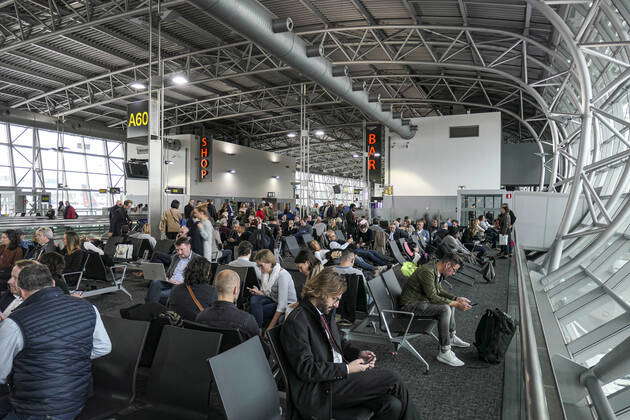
(156, 168)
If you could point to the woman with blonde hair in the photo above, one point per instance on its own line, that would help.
(269, 303)
(72, 254)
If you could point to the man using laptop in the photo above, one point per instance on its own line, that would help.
(160, 290)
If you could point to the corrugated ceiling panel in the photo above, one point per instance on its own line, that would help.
(45, 55)
(300, 14)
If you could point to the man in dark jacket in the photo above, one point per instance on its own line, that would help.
(46, 347)
(189, 208)
(320, 376)
(395, 233)
(223, 313)
(120, 218)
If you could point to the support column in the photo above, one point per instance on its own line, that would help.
(156, 170)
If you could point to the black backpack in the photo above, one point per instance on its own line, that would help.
(493, 335)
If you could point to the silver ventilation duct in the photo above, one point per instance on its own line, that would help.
(256, 23)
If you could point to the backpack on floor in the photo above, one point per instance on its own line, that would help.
(493, 335)
(487, 270)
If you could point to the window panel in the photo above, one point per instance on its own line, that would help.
(4, 138)
(116, 167)
(74, 162)
(94, 146)
(22, 157)
(116, 149)
(72, 143)
(50, 179)
(96, 164)
(100, 201)
(23, 178)
(48, 139)
(5, 176)
(589, 317)
(118, 181)
(4, 153)
(79, 199)
(49, 159)
(21, 135)
(98, 181)
(77, 180)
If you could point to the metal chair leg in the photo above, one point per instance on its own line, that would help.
(407, 345)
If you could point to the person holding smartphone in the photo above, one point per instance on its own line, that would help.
(327, 373)
(424, 295)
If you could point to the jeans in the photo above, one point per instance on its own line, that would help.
(361, 263)
(226, 256)
(371, 255)
(159, 291)
(443, 313)
(262, 308)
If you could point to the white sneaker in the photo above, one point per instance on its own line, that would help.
(458, 342)
(449, 358)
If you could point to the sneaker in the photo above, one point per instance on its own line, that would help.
(458, 342)
(449, 358)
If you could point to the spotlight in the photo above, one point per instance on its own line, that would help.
(276, 177)
(291, 135)
(169, 162)
(137, 85)
(232, 171)
(355, 155)
(319, 133)
(179, 79)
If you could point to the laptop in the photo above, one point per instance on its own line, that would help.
(153, 271)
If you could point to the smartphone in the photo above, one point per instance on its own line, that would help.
(368, 360)
(474, 304)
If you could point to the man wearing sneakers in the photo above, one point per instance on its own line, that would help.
(424, 295)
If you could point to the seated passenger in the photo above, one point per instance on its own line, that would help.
(11, 299)
(46, 347)
(423, 234)
(318, 251)
(318, 361)
(160, 290)
(44, 237)
(395, 233)
(277, 291)
(195, 294)
(223, 313)
(73, 255)
(145, 234)
(424, 295)
(452, 244)
(308, 264)
(56, 263)
(10, 252)
(334, 243)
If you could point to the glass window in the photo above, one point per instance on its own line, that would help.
(115, 149)
(94, 146)
(21, 135)
(22, 157)
(49, 159)
(98, 181)
(116, 167)
(99, 201)
(589, 317)
(5, 176)
(77, 180)
(23, 177)
(72, 143)
(96, 164)
(118, 181)
(497, 201)
(50, 179)
(74, 162)
(4, 138)
(79, 199)
(48, 139)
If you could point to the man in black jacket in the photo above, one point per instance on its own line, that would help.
(120, 218)
(320, 375)
(189, 208)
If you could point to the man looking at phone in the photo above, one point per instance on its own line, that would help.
(424, 295)
(327, 373)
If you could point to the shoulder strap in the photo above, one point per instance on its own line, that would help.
(194, 298)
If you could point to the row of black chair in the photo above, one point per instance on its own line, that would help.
(179, 385)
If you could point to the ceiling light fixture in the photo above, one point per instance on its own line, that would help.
(319, 133)
(276, 177)
(291, 135)
(377, 155)
(232, 171)
(169, 162)
(355, 155)
(137, 85)
(179, 79)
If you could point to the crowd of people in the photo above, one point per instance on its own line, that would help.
(37, 292)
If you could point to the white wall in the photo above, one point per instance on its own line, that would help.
(432, 164)
(253, 178)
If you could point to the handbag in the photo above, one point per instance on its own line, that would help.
(194, 298)
(503, 240)
(124, 251)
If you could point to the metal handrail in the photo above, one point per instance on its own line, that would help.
(534, 389)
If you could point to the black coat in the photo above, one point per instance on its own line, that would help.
(311, 370)
(118, 219)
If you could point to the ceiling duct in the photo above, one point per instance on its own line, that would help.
(256, 23)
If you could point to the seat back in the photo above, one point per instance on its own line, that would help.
(396, 252)
(405, 247)
(292, 245)
(179, 377)
(378, 291)
(273, 336)
(392, 285)
(94, 267)
(115, 373)
(241, 271)
(231, 336)
(139, 247)
(165, 246)
(340, 236)
(110, 245)
(307, 237)
(245, 368)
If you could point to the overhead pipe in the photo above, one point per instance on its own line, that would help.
(256, 23)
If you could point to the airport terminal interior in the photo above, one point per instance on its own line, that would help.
(315, 209)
